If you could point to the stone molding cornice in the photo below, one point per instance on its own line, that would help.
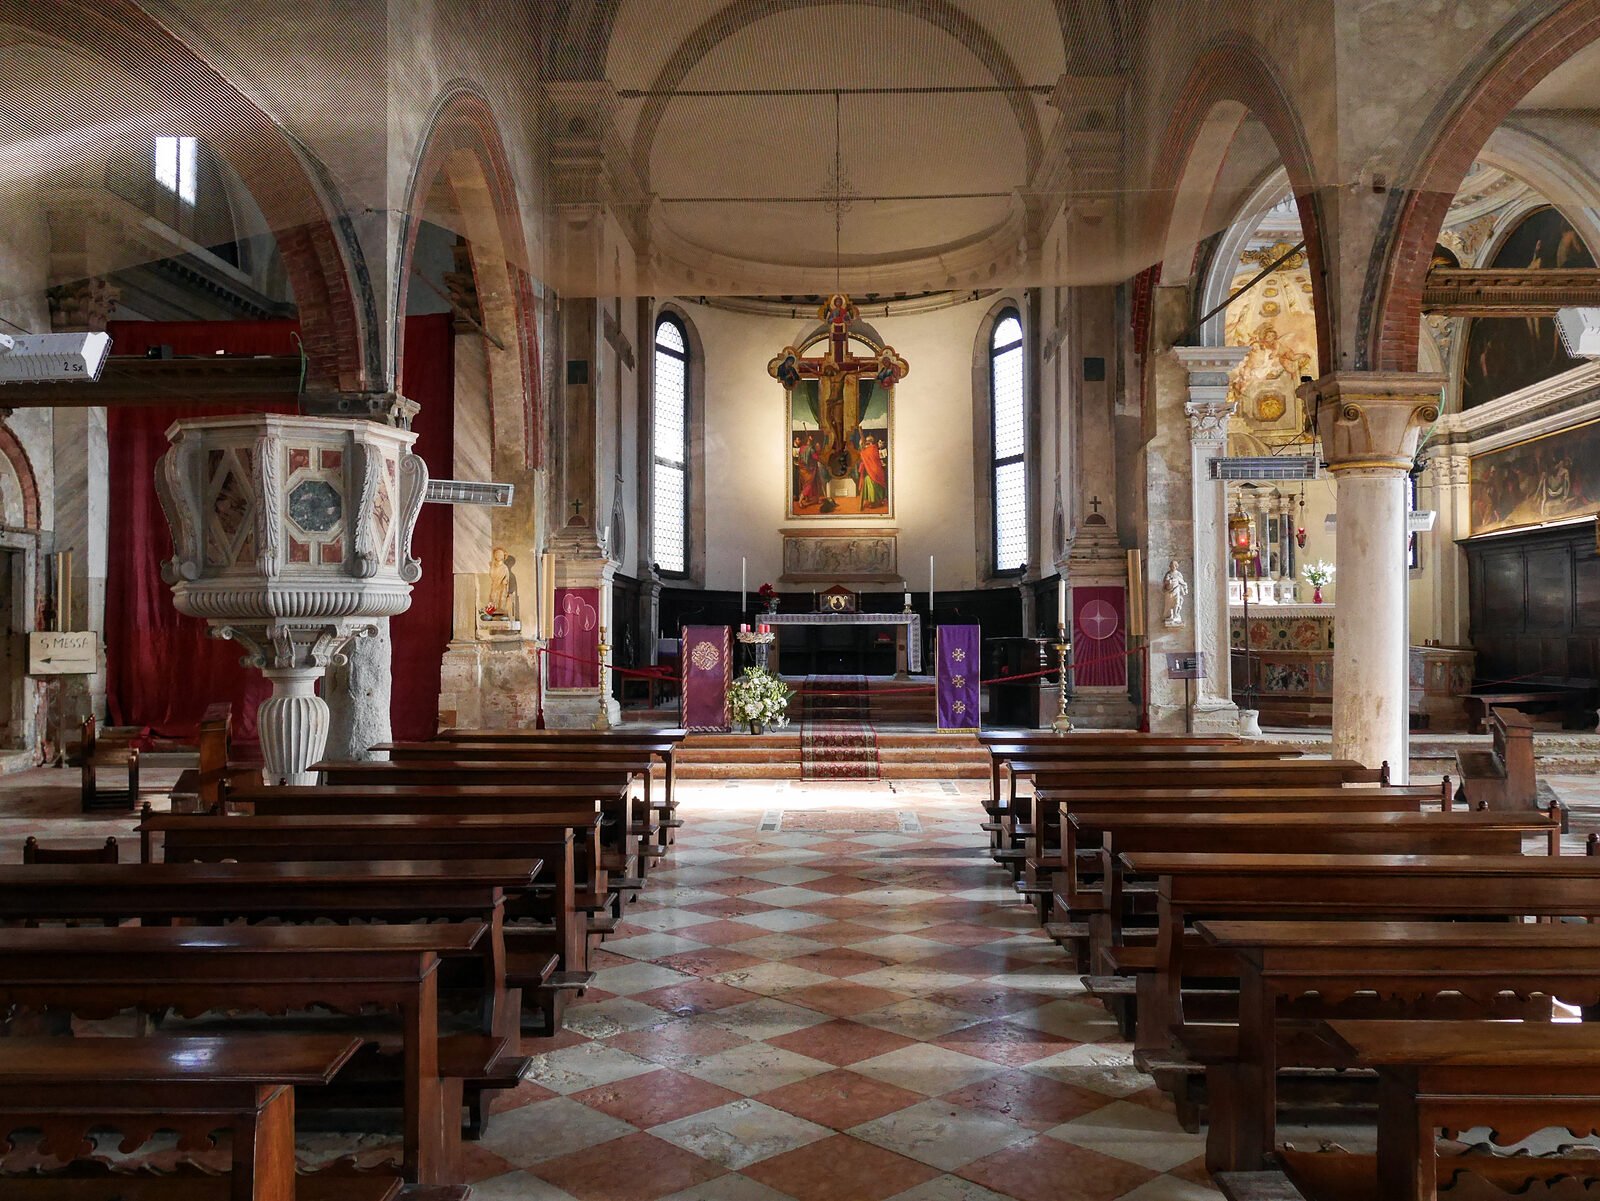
(1507, 292)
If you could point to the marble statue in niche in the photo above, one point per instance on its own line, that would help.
(502, 602)
(1174, 591)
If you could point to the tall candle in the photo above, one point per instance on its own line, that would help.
(1061, 601)
(547, 596)
(742, 585)
(930, 585)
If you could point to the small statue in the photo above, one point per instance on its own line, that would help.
(502, 586)
(1174, 590)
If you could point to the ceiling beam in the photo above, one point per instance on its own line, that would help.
(1508, 291)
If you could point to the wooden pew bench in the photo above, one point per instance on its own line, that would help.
(605, 875)
(241, 1086)
(1046, 854)
(1415, 969)
(544, 964)
(1309, 890)
(99, 750)
(1308, 832)
(663, 744)
(1513, 1077)
(278, 969)
(632, 832)
(1501, 776)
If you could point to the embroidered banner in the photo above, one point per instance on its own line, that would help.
(1099, 637)
(707, 666)
(960, 700)
(575, 650)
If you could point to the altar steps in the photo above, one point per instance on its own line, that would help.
(908, 755)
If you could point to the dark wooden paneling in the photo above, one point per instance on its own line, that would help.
(1535, 603)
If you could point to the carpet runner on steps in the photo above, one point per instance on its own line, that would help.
(834, 698)
(838, 750)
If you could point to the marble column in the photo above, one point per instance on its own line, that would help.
(1444, 564)
(1369, 423)
(1208, 410)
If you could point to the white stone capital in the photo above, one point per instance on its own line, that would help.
(1370, 421)
(1208, 421)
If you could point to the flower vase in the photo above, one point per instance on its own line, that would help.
(755, 727)
(1316, 595)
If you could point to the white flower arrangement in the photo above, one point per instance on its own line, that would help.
(1318, 574)
(759, 696)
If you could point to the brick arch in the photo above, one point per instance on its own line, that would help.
(1236, 71)
(315, 237)
(11, 447)
(1539, 39)
(463, 127)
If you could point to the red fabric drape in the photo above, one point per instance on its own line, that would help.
(161, 668)
(422, 631)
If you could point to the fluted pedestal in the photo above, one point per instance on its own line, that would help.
(293, 724)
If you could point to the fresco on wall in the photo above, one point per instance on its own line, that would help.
(1505, 354)
(863, 488)
(1276, 320)
(1544, 479)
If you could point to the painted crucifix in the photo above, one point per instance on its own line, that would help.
(839, 419)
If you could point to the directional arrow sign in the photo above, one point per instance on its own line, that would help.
(63, 652)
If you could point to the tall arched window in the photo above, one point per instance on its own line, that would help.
(1008, 443)
(669, 535)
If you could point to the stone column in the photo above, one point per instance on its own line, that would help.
(1442, 560)
(1208, 410)
(1369, 423)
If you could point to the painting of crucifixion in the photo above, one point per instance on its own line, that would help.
(840, 428)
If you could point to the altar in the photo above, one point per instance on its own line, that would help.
(907, 634)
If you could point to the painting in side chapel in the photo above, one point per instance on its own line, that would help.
(1544, 479)
(1506, 354)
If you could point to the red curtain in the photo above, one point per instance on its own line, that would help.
(161, 668)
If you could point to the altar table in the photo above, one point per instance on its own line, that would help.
(908, 632)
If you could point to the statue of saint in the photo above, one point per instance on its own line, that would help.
(502, 586)
(1174, 590)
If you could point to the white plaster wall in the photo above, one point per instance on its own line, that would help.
(746, 444)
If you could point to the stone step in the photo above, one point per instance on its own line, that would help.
(791, 771)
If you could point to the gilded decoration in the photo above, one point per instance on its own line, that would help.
(1276, 323)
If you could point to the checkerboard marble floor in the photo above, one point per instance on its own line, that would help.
(864, 1013)
(834, 1015)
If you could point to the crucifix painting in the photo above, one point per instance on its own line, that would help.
(839, 418)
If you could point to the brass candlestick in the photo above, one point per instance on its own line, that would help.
(1062, 723)
(602, 719)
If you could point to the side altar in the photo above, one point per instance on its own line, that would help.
(1290, 661)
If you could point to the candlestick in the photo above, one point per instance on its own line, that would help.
(1062, 723)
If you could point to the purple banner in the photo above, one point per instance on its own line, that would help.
(960, 700)
(706, 658)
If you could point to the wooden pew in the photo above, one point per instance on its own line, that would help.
(1110, 740)
(673, 737)
(275, 968)
(1513, 1077)
(606, 873)
(635, 832)
(1133, 773)
(545, 966)
(241, 1085)
(638, 756)
(1314, 966)
(96, 751)
(1308, 832)
(1044, 845)
(454, 890)
(199, 788)
(1325, 887)
(1503, 776)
